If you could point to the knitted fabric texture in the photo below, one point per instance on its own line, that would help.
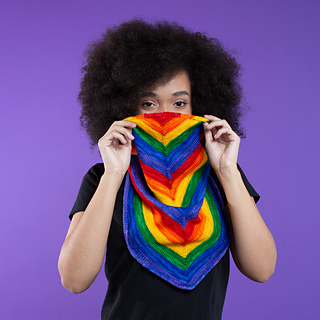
(173, 215)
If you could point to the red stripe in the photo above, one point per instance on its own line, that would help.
(168, 222)
(180, 172)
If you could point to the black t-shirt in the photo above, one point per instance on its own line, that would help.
(134, 292)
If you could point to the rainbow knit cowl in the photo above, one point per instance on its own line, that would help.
(173, 215)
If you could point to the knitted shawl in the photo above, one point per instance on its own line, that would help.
(173, 215)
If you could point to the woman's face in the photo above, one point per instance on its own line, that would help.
(172, 96)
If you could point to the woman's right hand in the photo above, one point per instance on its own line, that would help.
(115, 146)
(83, 251)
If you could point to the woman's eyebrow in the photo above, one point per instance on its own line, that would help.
(147, 94)
(181, 93)
(152, 94)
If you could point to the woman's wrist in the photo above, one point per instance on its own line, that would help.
(227, 172)
(111, 176)
(232, 184)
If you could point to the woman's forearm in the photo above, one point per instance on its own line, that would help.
(83, 251)
(252, 244)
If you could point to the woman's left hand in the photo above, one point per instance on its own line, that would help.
(252, 245)
(222, 144)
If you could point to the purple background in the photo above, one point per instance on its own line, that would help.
(44, 154)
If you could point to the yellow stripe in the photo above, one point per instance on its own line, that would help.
(165, 139)
(162, 195)
(182, 250)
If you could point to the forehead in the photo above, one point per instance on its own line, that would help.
(179, 82)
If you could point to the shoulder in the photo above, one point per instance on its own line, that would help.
(89, 184)
(96, 170)
(93, 175)
(253, 193)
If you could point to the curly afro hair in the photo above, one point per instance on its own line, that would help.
(136, 55)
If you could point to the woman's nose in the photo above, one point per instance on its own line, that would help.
(165, 108)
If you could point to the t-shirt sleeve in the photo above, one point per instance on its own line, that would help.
(249, 187)
(92, 178)
(87, 189)
(253, 193)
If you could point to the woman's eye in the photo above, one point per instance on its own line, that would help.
(180, 103)
(147, 104)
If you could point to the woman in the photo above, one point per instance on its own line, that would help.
(159, 72)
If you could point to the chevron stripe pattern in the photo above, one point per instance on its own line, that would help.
(173, 216)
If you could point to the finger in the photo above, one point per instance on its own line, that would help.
(127, 132)
(124, 123)
(218, 124)
(210, 129)
(120, 137)
(208, 134)
(226, 131)
(211, 118)
(115, 127)
(216, 120)
(112, 138)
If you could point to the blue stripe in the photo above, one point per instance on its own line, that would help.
(157, 263)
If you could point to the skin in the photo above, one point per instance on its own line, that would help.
(252, 245)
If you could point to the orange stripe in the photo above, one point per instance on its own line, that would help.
(175, 238)
(170, 125)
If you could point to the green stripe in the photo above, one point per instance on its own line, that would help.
(193, 185)
(159, 146)
(166, 252)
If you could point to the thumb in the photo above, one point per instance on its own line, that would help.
(207, 134)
